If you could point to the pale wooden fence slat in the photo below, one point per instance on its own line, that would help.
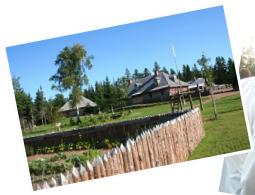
(167, 143)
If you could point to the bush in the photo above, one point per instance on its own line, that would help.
(72, 122)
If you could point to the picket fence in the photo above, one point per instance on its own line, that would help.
(167, 143)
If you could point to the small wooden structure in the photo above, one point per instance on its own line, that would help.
(68, 110)
(177, 101)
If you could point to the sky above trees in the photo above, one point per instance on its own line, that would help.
(133, 46)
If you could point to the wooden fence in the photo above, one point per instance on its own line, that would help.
(117, 131)
(167, 143)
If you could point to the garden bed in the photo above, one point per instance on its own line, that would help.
(99, 136)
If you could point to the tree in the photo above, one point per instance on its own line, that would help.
(165, 70)
(59, 100)
(127, 74)
(186, 73)
(71, 76)
(156, 67)
(108, 92)
(24, 104)
(207, 74)
(137, 74)
(40, 107)
(146, 72)
(220, 70)
(172, 71)
(195, 72)
(231, 73)
(51, 111)
(99, 94)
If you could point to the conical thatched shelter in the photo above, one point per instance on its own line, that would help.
(68, 110)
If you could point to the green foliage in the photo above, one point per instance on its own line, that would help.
(72, 122)
(71, 75)
(156, 66)
(52, 113)
(24, 104)
(40, 107)
(186, 73)
(146, 72)
(206, 69)
(137, 74)
(59, 163)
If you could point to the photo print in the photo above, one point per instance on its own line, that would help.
(127, 98)
(238, 172)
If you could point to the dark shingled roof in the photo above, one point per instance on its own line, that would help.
(153, 83)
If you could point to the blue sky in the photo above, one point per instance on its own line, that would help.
(135, 45)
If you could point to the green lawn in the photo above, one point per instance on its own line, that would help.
(226, 134)
(105, 118)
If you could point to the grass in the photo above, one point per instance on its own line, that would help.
(107, 118)
(226, 134)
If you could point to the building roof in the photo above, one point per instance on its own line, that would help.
(85, 102)
(153, 83)
(199, 81)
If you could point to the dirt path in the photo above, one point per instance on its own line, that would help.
(67, 153)
(221, 95)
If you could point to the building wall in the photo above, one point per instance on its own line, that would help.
(156, 96)
(72, 113)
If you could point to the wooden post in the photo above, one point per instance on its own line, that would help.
(200, 98)
(102, 167)
(150, 149)
(107, 165)
(135, 155)
(180, 101)
(90, 170)
(213, 103)
(84, 173)
(129, 156)
(140, 152)
(63, 179)
(124, 157)
(75, 175)
(171, 104)
(190, 101)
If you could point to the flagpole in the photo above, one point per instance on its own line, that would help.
(176, 66)
(177, 70)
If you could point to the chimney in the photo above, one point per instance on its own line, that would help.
(173, 77)
(156, 72)
(130, 82)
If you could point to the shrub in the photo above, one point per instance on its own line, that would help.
(72, 122)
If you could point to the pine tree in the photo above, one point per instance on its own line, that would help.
(172, 71)
(146, 72)
(165, 70)
(156, 67)
(24, 105)
(40, 106)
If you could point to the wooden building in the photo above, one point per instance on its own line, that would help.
(155, 88)
(84, 105)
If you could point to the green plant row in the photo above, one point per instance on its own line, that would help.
(80, 145)
(59, 163)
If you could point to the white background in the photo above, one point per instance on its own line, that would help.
(23, 21)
